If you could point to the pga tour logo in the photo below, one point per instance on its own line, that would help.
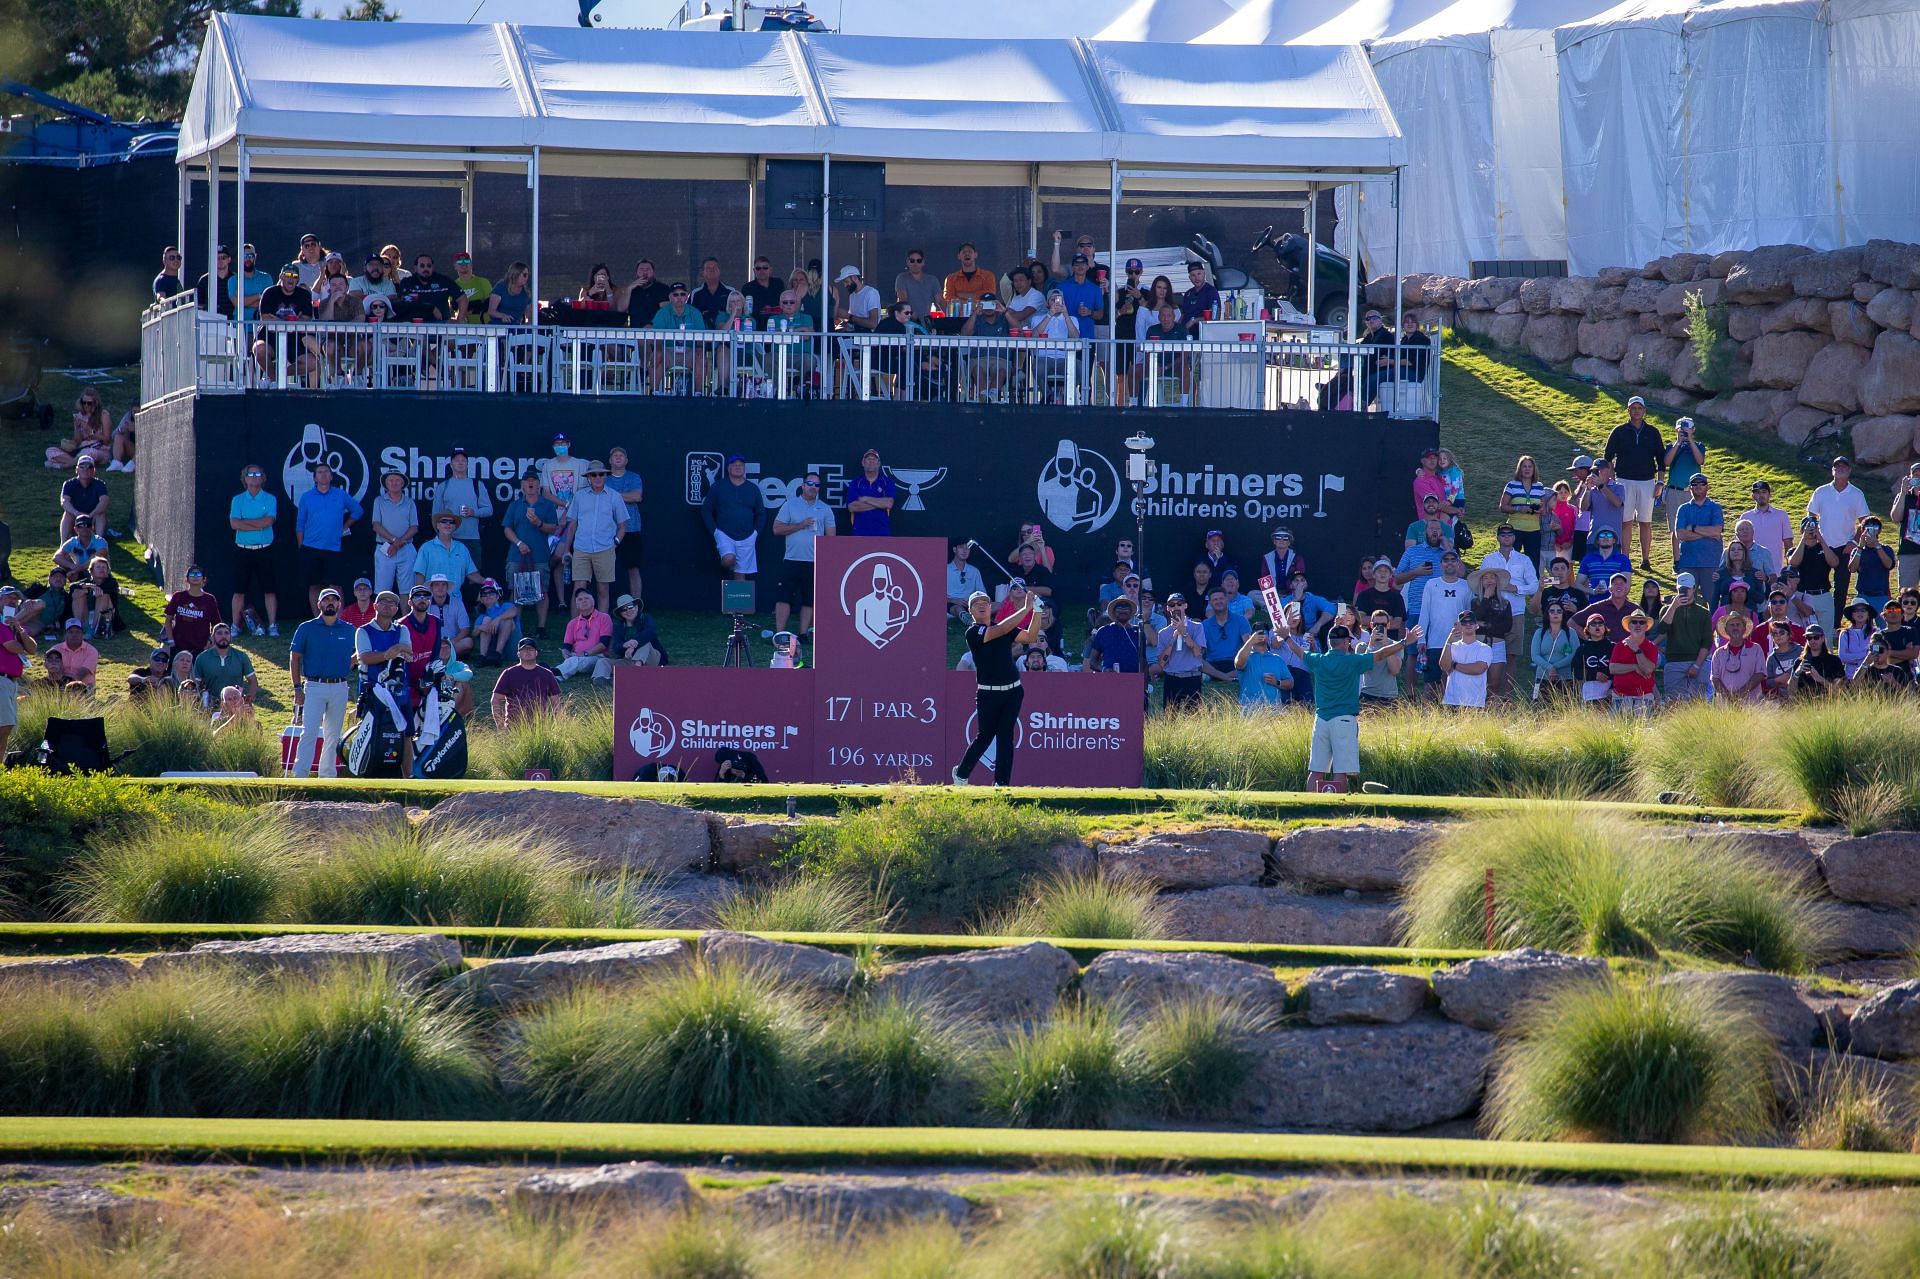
(881, 592)
(318, 446)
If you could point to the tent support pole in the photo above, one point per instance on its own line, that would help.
(753, 212)
(213, 231)
(240, 230)
(533, 262)
(826, 276)
(185, 183)
(1353, 263)
(466, 202)
(1033, 210)
(1113, 282)
(1313, 250)
(1399, 293)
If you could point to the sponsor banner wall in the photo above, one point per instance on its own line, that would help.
(681, 715)
(880, 649)
(1076, 729)
(1340, 481)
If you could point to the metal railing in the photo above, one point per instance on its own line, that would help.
(184, 348)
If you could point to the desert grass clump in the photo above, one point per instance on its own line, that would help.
(1191, 1056)
(227, 867)
(573, 739)
(1653, 1062)
(452, 876)
(1071, 1072)
(807, 903)
(1109, 1237)
(163, 734)
(1742, 1239)
(1703, 753)
(1568, 878)
(1480, 1233)
(939, 853)
(1217, 747)
(359, 1043)
(1826, 748)
(719, 1044)
(47, 819)
(1847, 1106)
(1084, 904)
(893, 1062)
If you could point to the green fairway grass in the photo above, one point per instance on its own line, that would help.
(34, 939)
(69, 1138)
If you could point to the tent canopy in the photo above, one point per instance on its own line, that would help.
(287, 84)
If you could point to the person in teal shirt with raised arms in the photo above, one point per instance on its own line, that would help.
(1333, 759)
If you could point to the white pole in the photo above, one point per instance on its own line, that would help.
(213, 231)
(1113, 279)
(240, 232)
(1313, 249)
(1033, 210)
(466, 203)
(533, 262)
(826, 275)
(1353, 265)
(180, 219)
(1399, 294)
(753, 212)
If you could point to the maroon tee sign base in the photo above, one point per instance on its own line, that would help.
(879, 704)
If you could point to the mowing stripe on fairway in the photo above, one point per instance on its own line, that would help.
(34, 1137)
(98, 938)
(818, 799)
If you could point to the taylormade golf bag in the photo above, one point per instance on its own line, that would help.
(440, 745)
(374, 746)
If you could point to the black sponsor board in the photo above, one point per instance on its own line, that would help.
(1339, 481)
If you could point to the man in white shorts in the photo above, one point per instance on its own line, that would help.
(1333, 759)
(1639, 458)
(733, 513)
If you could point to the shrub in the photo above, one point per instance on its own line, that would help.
(1647, 1063)
(1191, 1056)
(807, 903)
(939, 853)
(691, 1246)
(1481, 1234)
(574, 739)
(1071, 1072)
(891, 1062)
(164, 735)
(45, 820)
(1845, 1107)
(1109, 907)
(706, 1044)
(245, 748)
(1712, 352)
(445, 877)
(1742, 1240)
(1108, 1237)
(1703, 752)
(359, 1044)
(1826, 747)
(232, 868)
(1571, 879)
(631, 899)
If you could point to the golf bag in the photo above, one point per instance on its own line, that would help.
(374, 745)
(440, 744)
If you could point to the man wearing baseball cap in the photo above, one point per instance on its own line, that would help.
(802, 520)
(250, 282)
(1333, 756)
(870, 498)
(1178, 657)
(524, 688)
(474, 289)
(321, 661)
(1639, 457)
(733, 513)
(1839, 506)
(1772, 527)
(560, 474)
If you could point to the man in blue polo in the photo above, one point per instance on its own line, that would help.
(320, 526)
(1224, 631)
(870, 498)
(320, 660)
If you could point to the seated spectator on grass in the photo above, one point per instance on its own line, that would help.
(191, 614)
(1880, 671)
(588, 634)
(456, 624)
(234, 709)
(525, 688)
(635, 640)
(221, 666)
(1856, 631)
(495, 627)
(91, 435)
(82, 548)
(1739, 664)
(79, 660)
(156, 680)
(1819, 670)
(97, 600)
(48, 604)
(54, 679)
(83, 495)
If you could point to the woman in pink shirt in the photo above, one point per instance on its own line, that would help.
(1429, 480)
(1738, 663)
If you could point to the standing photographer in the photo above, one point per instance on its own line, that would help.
(1906, 520)
(1815, 561)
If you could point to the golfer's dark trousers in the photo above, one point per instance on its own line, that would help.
(999, 720)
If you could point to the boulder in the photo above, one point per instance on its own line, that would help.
(1366, 858)
(1605, 372)
(1795, 313)
(1848, 322)
(1891, 309)
(1016, 985)
(1191, 859)
(1745, 323)
(91, 1207)
(1722, 264)
(1883, 439)
(1879, 870)
(1646, 352)
(1749, 408)
(1439, 292)
(409, 956)
(1605, 304)
(1148, 977)
(606, 835)
(1867, 932)
(1888, 1025)
(1770, 999)
(323, 818)
(1827, 275)
(1785, 851)
(1795, 425)
(1341, 996)
(1679, 267)
(1684, 370)
(1832, 380)
(749, 847)
(1280, 917)
(1781, 359)
(1641, 297)
(1891, 382)
(1673, 298)
(1572, 294)
(788, 962)
(629, 1189)
(532, 979)
(1613, 277)
(1551, 339)
(1486, 993)
(693, 901)
(84, 972)
(1893, 263)
(1603, 339)
(1765, 274)
(1536, 295)
(1505, 330)
(1865, 291)
(840, 1204)
(1798, 1076)
(1366, 1078)
(1487, 293)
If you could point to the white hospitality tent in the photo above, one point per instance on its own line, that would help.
(1093, 115)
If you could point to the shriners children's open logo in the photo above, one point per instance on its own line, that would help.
(651, 735)
(881, 592)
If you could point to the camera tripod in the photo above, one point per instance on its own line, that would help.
(739, 651)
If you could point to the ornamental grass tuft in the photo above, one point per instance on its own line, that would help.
(476, 878)
(894, 1062)
(228, 867)
(807, 903)
(1190, 1057)
(1108, 906)
(1071, 1072)
(573, 740)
